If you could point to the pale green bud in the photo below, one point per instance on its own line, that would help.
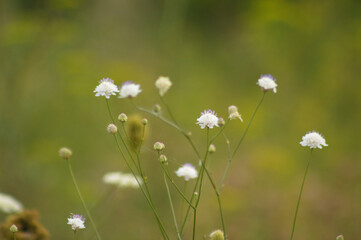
(13, 228)
(163, 159)
(144, 121)
(65, 153)
(217, 235)
(212, 148)
(232, 109)
(157, 108)
(123, 117)
(340, 237)
(112, 129)
(221, 122)
(159, 146)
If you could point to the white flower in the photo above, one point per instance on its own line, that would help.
(120, 179)
(129, 90)
(267, 82)
(313, 140)
(187, 171)
(208, 119)
(163, 84)
(233, 113)
(8, 204)
(76, 222)
(106, 88)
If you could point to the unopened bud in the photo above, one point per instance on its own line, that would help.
(144, 121)
(159, 146)
(123, 117)
(217, 235)
(13, 228)
(340, 237)
(112, 129)
(163, 159)
(65, 153)
(196, 194)
(189, 133)
(157, 108)
(212, 148)
(232, 109)
(221, 122)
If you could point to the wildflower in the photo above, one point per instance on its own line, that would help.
(76, 221)
(187, 171)
(112, 129)
(13, 228)
(65, 153)
(313, 140)
(120, 179)
(163, 158)
(123, 117)
(106, 88)
(144, 121)
(212, 148)
(8, 204)
(267, 82)
(163, 84)
(217, 235)
(208, 119)
(129, 90)
(339, 237)
(159, 146)
(233, 113)
(27, 224)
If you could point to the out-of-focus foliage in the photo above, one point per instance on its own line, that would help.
(53, 52)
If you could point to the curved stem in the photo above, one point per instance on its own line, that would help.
(82, 200)
(299, 197)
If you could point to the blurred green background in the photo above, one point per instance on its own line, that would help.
(53, 52)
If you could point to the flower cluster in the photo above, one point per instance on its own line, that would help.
(313, 140)
(208, 119)
(106, 88)
(267, 82)
(8, 204)
(123, 180)
(76, 221)
(187, 171)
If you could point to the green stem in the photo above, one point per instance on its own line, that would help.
(300, 195)
(168, 110)
(228, 163)
(184, 194)
(249, 124)
(74, 235)
(14, 236)
(82, 200)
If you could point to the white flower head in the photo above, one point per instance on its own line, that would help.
(120, 179)
(313, 140)
(8, 204)
(129, 90)
(267, 82)
(208, 119)
(233, 113)
(163, 84)
(187, 171)
(76, 221)
(106, 88)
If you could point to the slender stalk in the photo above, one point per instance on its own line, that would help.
(74, 237)
(145, 195)
(184, 193)
(171, 206)
(228, 163)
(300, 195)
(14, 236)
(82, 200)
(249, 124)
(222, 217)
(168, 110)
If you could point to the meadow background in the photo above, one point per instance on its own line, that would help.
(53, 52)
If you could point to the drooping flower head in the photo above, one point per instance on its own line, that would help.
(120, 179)
(187, 171)
(106, 88)
(233, 113)
(129, 90)
(313, 140)
(76, 221)
(208, 119)
(163, 84)
(267, 82)
(8, 204)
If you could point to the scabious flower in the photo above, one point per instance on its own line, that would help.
(120, 179)
(313, 140)
(112, 128)
(129, 90)
(208, 119)
(76, 221)
(106, 88)
(267, 82)
(163, 84)
(187, 171)
(233, 113)
(8, 204)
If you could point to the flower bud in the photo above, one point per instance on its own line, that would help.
(65, 153)
(159, 146)
(112, 129)
(196, 194)
(189, 133)
(157, 108)
(212, 148)
(217, 235)
(232, 109)
(340, 237)
(144, 121)
(123, 117)
(13, 228)
(163, 159)
(221, 122)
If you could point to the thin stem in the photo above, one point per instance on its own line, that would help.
(249, 124)
(171, 206)
(74, 235)
(82, 200)
(168, 110)
(184, 193)
(228, 163)
(300, 195)
(14, 236)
